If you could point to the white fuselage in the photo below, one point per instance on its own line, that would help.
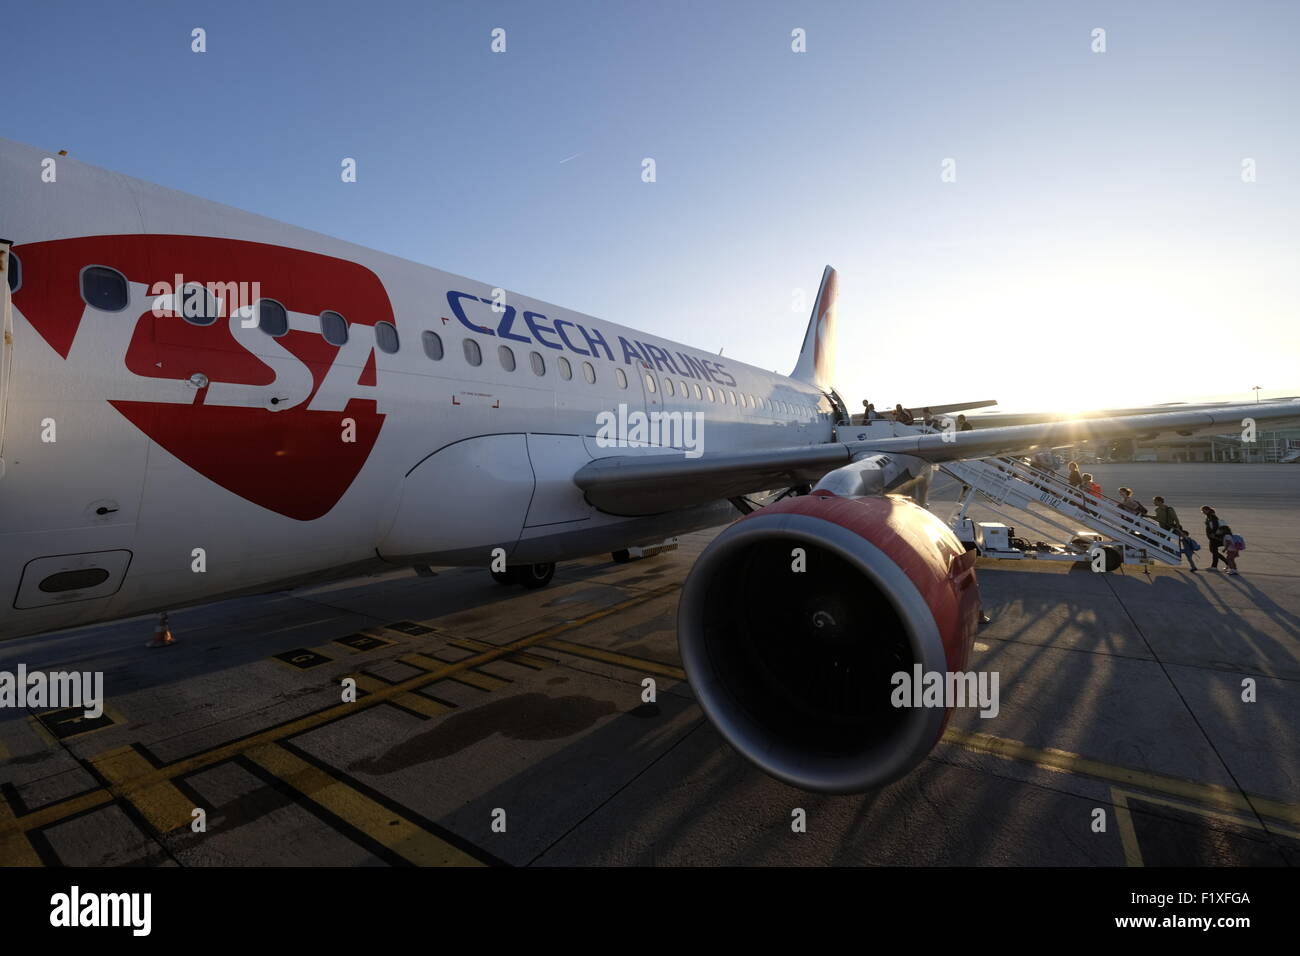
(190, 461)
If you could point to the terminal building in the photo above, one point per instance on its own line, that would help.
(1270, 446)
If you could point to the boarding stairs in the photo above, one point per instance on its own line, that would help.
(1014, 483)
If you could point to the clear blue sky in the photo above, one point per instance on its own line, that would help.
(1098, 220)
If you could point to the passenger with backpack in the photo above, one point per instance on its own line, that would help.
(1233, 545)
(1188, 546)
(1213, 534)
(1165, 516)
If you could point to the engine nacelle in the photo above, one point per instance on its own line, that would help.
(880, 474)
(795, 667)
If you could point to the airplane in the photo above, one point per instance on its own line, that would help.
(197, 402)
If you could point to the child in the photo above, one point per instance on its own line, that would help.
(1188, 545)
(1233, 545)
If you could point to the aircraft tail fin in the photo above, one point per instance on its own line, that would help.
(816, 363)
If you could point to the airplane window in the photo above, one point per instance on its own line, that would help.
(386, 337)
(621, 376)
(709, 389)
(507, 357)
(668, 386)
(686, 390)
(732, 397)
(538, 363)
(473, 354)
(432, 345)
(650, 384)
(15, 273)
(334, 328)
(589, 373)
(103, 288)
(271, 317)
(697, 390)
(566, 370)
(197, 307)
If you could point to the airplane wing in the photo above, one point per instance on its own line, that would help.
(655, 483)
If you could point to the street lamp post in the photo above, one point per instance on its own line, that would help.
(1257, 388)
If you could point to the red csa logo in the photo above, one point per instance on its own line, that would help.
(824, 337)
(260, 416)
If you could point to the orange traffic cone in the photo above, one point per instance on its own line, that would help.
(162, 634)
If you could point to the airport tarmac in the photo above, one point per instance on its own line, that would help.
(496, 725)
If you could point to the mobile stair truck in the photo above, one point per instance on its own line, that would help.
(1098, 530)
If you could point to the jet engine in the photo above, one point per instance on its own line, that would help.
(794, 621)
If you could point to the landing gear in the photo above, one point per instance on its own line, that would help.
(527, 575)
(534, 575)
(621, 556)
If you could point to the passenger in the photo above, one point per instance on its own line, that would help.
(1165, 516)
(1045, 461)
(1091, 486)
(872, 414)
(927, 418)
(1131, 504)
(1233, 545)
(1076, 479)
(963, 425)
(1214, 535)
(1187, 544)
(902, 415)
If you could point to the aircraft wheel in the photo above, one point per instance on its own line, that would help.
(621, 556)
(504, 577)
(534, 575)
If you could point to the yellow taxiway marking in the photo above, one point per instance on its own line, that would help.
(408, 701)
(473, 678)
(387, 827)
(15, 850)
(1049, 758)
(623, 660)
(527, 660)
(165, 807)
(480, 680)
(387, 692)
(1128, 833)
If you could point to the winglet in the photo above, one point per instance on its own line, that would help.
(817, 360)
